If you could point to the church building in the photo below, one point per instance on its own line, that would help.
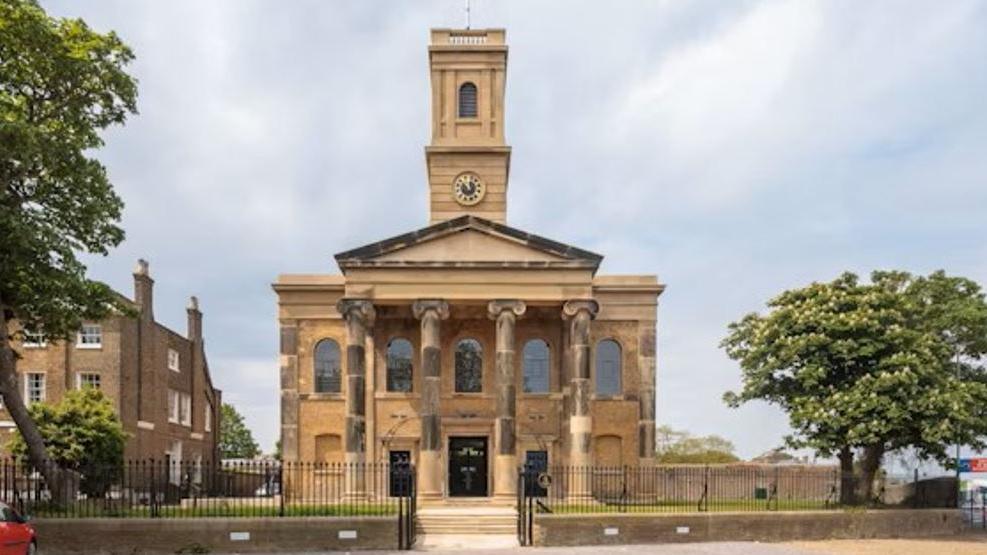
(468, 347)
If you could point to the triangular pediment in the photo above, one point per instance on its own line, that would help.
(468, 241)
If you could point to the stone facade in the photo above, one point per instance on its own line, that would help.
(518, 351)
(139, 364)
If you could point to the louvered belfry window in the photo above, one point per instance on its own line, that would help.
(467, 100)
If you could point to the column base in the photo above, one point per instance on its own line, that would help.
(505, 476)
(429, 475)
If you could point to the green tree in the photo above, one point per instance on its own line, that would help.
(82, 433)
(60, 84)
(867, 368)
(680, 447)
(235, 439)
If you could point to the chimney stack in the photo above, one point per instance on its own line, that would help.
(194, 319)
(144, 289)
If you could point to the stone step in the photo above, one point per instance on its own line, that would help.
(452, 526)
(468, 542)
(479, 527)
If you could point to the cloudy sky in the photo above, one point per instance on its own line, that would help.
(734, 148)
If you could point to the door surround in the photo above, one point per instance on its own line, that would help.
(467, 427)
(481, 490)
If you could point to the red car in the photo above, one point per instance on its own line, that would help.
(16, 535)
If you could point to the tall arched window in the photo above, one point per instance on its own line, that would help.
(469, 366)
(328, 377)
(608, 367)
(535, 367)
(399, 370)
(467, 100)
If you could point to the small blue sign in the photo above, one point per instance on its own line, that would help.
(964, 465)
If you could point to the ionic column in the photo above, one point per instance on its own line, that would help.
(580, 313)
(359, 316)
(431, 313)
(505, 313)
(646, 398)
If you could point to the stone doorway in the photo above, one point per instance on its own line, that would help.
(468, 467)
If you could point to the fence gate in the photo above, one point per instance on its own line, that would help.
(402, 486)
(528, 490)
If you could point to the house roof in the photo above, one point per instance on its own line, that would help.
(468, 242)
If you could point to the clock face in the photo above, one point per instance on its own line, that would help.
(468, 189)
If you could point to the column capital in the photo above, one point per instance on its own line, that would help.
(498, 306)
(422, 306)
(361, 309)
(575, 306)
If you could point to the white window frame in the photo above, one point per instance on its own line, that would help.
(174, 360)
(79, 382)
(185, 410)
(83, 338)
(197, 470)
(27, 387)
(175, 472)
(173, 402)
(34, 340)
(208, 418)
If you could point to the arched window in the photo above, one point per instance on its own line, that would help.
(327, 373)
(467, 100)
(535, 367)
(608, 367)
(399, 371)
(469, 366)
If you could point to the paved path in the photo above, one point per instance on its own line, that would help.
(729, 548)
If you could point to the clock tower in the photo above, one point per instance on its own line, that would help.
(467, 161)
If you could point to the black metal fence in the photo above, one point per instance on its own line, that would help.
(165, 489)
(700, 488)
(973, 506)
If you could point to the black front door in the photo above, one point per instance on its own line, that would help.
(468, 466)
(400, 478)
(535, 464)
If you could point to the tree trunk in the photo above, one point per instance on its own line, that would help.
(870, 463)
(59, 483)
(848, 489)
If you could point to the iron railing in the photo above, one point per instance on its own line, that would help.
(687, 488)
(166, 489)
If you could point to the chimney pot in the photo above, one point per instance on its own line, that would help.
(142, 267)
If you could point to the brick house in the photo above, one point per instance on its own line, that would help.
(157, 379)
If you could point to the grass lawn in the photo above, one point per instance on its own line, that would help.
(217, 510)
(739, 505)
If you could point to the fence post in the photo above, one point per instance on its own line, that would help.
(281, 488)
(154, 489)
(623, 490)
(774, 490)
(704, 498)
